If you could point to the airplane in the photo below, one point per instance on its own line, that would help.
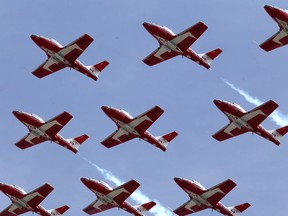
(41, 131)
(242, 121)
(130, 128)
(23, 202)
(201, 198)
(279, 39)
(60, 57)
(108, 198)
(172, 45)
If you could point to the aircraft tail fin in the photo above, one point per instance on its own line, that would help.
(58, 211)
(75, 143)
(279, 133)
(166, 139)
(237, 210)
(97, 68)
(144, 208)
(210, 56)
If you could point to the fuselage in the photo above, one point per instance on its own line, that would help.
(123, 121)
(235, 114)
(54, 51)
(34, 124)
(165, 38)
(17, 197)
(102, 190)
(195, 191)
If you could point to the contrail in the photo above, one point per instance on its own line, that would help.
(278, 117)
(137, 196)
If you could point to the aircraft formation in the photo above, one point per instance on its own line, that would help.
(128, 128)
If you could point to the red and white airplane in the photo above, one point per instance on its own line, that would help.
(108, 198)
(41, 131)
(60, 57)
(242, 121)
(279, 39)
(130, 128)
(23, 202)
(201, 198)
(172, 45)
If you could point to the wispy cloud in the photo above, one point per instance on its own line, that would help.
(137, 196)
(278, 117)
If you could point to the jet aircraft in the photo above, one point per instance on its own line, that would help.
(60, 57)
(41, 131)
(108, 198)
(172, 45)
(279, 39)
(201, 198)
(130, 128)
(23, 202)
(242, 121)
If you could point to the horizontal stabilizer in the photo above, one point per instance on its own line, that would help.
(164, 140)
(279, 133)
(75, 143)
(210, 56)
(97, 68)
(237, 210)
(59, 211)
(144, 208)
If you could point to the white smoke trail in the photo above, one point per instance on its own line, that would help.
(279, 118)
(137, 196)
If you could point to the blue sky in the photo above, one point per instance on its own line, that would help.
(182, 88)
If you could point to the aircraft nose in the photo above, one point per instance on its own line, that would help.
(147, 25)
(84, 180)
(16, 113)
(269, 8)
(217, 102)
(105, 108)
(177, 179)
(34, 37)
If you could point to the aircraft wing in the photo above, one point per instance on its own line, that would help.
(30, 140)
(121, 193)
(54, 125)
(257, 115)
(159, 55)
(277, 40)
(116, 138)
(35, 197)
(73, 50)
(97, 206)
(186, 38)
(47, 68)
(228, 131)
(189, 207)
(216, 193)
(13, 210)
(142, 122)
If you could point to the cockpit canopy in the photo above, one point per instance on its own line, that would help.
(126, 113)
(106, 185)
(37, 117)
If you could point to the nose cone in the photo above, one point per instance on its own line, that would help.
(4, 186)
(178, 180)
(218, 102)
(35, 38)
(148, 26)
(105, 109)
(17, 113)
(109, 110)
(1, 185)
(85, 180)
(271, 10)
